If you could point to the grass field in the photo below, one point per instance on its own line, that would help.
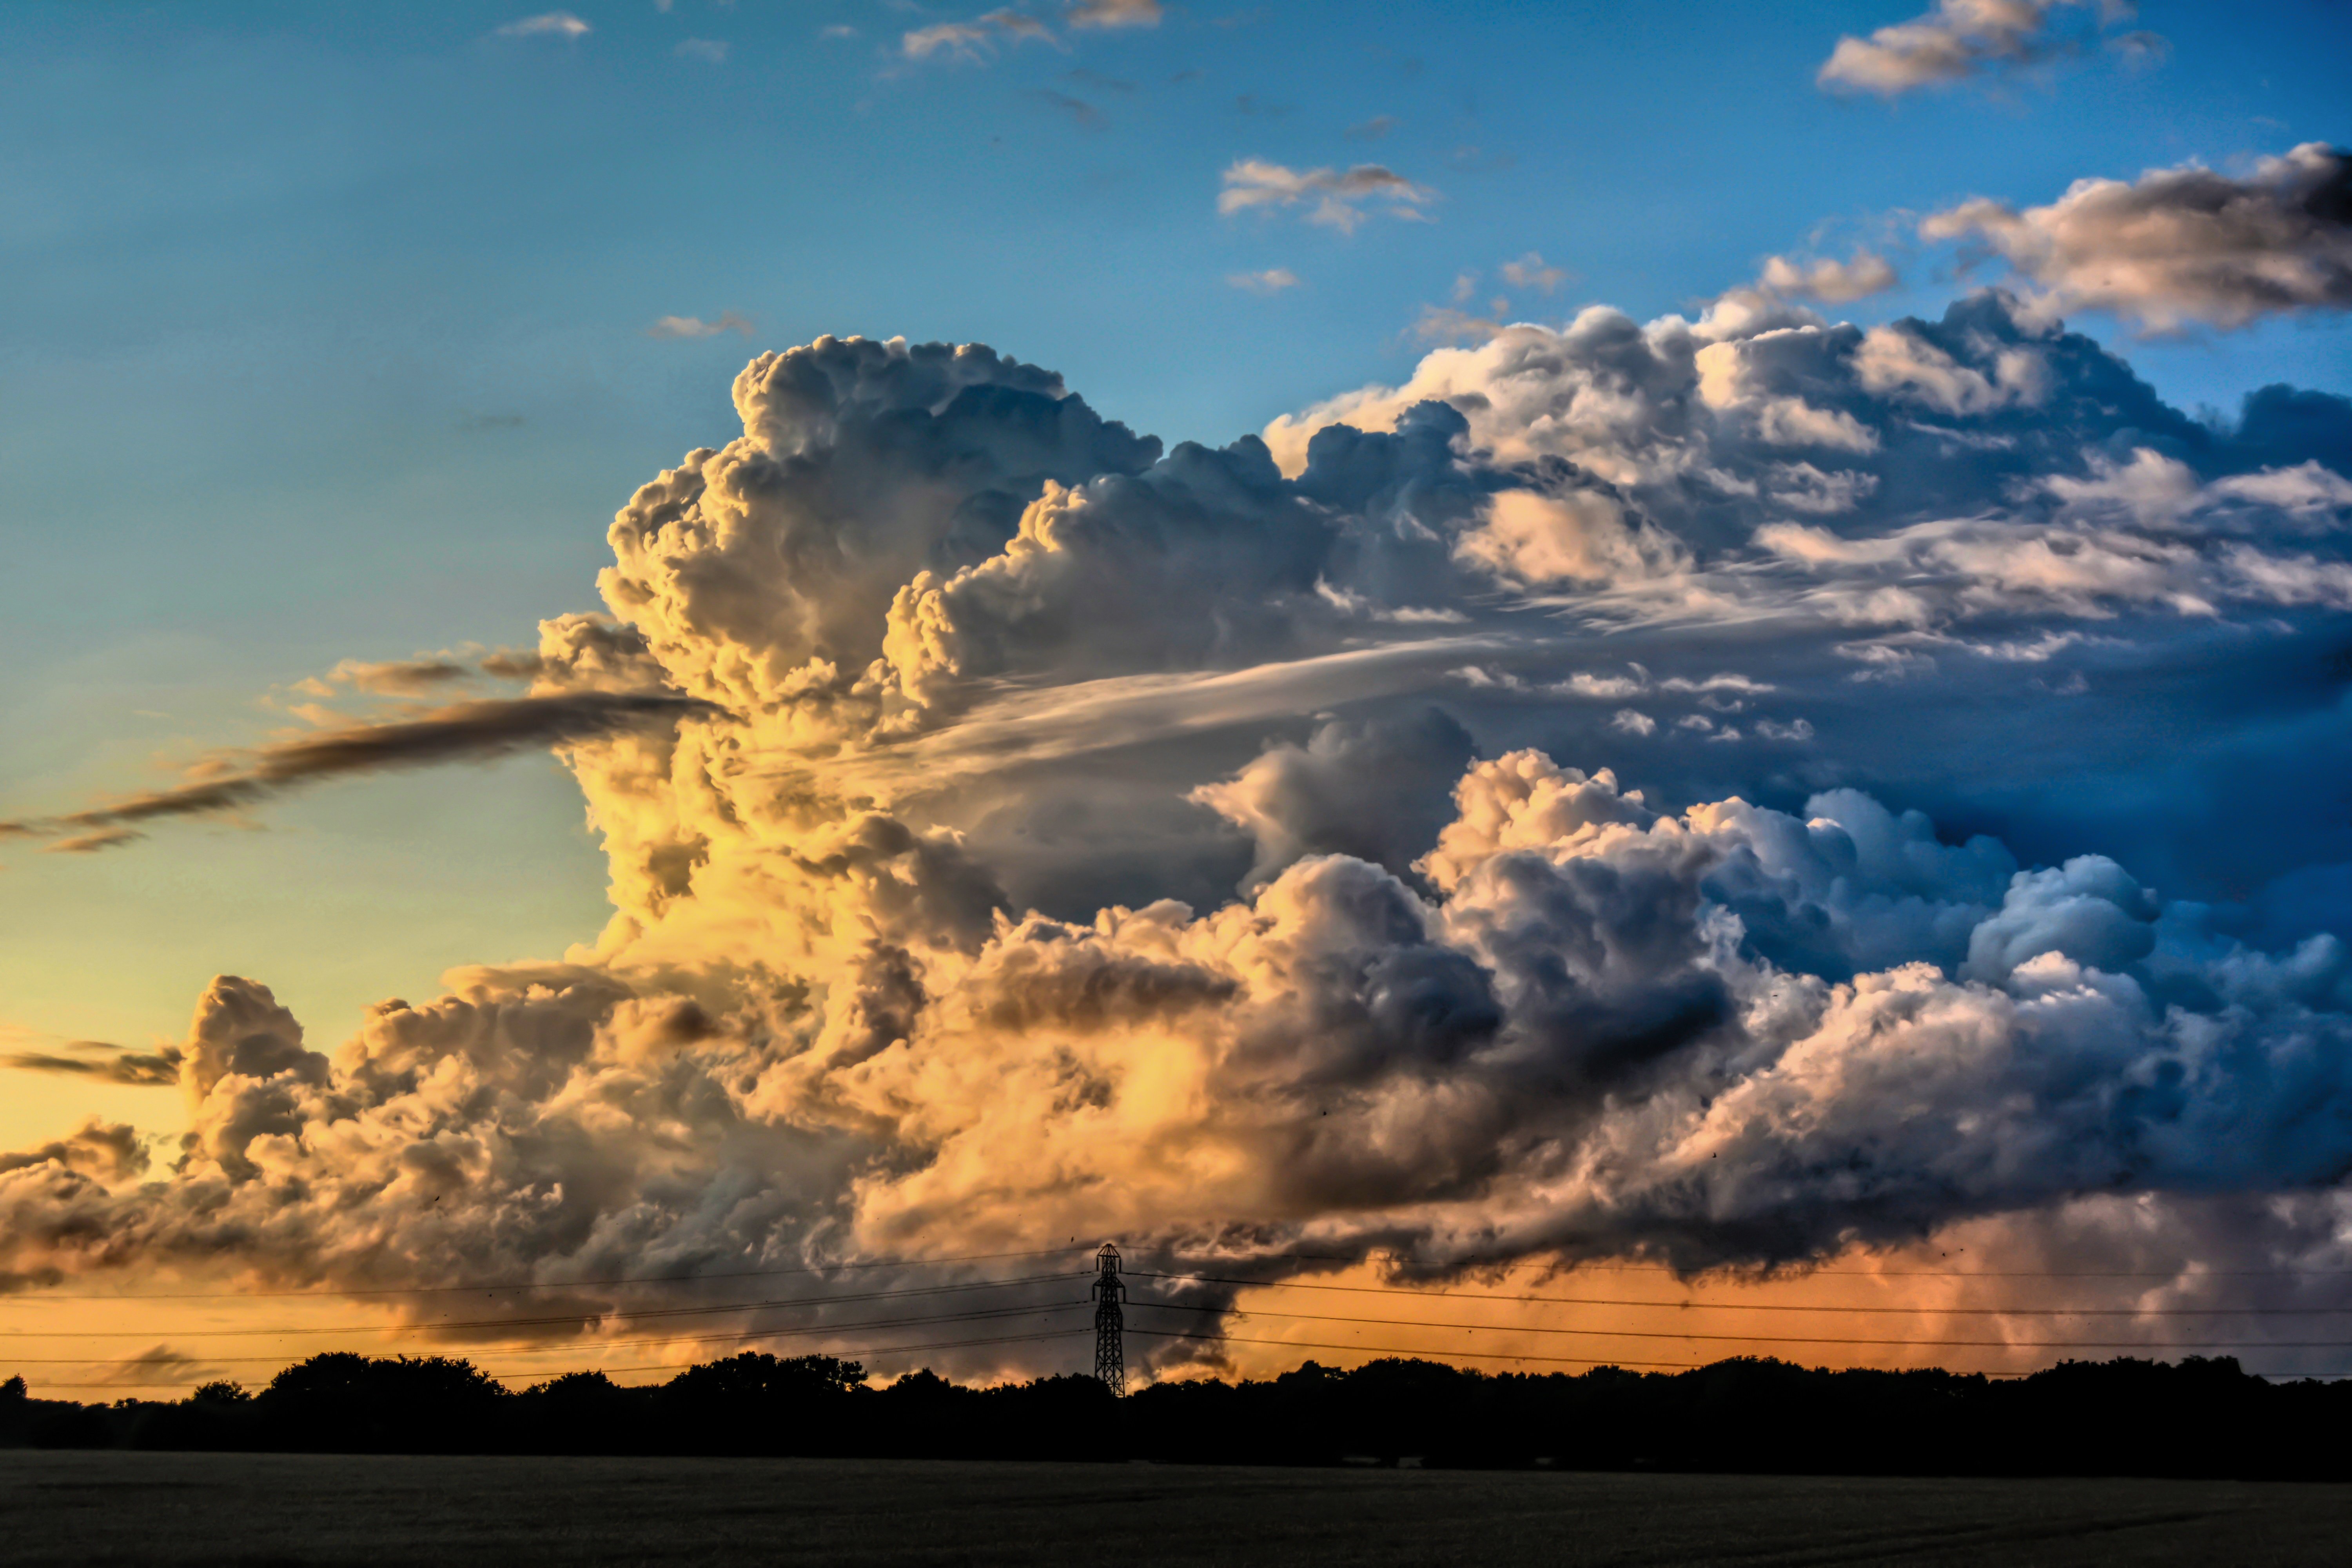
(257, 1510)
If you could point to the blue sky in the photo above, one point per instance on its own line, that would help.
(327, 336)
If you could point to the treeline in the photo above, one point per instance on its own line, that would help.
(2200, 1417)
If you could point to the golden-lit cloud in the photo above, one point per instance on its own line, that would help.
(1425, 834)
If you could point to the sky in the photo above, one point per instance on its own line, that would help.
(1759, 588)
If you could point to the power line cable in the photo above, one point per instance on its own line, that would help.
(329, 1294)
(493, 1287)
(575, 1347)
(856, 1349)
(1387, 1350)
(442, 1323)
(1236, 1339)
(738, 1338)
(1759, 1306)
(1844, 1273)
(1766, 1339)
(1588, 1361)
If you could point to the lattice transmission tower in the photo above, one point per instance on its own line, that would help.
(1110, 1292)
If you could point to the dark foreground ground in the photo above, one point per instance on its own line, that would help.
(278, 1509)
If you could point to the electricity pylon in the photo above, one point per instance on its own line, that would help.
(1111, 1291)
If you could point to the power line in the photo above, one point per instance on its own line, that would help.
(1764, 1338)
(329, 1294)
(494, 1286)
(540, 1371)
(1763, 1306)
(787, 1303)
(574, 1347)
(442, 1323)
(738, 1338)
(1844, 1273)
(1195, 1337)
(1586, 1360)
(1386, 1350)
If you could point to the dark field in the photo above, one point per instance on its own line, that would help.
(284, 1510)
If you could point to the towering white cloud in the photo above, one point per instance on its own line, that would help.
(1029, 834)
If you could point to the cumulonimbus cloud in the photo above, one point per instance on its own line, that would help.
(2183, 244)
(1494, 816)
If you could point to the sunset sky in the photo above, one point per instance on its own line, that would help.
(1698, 640)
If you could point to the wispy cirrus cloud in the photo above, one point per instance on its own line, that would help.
(976, 41)
(1084, 115)
(1099, 81)
(690, 327)
(93, 1060)
(1336, 198)
(232, 781)
(1960, 39)
(547, 24)
(1113, 13)
(387, 677)
(1532, 272)
(1273, 281)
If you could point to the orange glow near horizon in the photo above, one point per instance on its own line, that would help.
(1888, 1309)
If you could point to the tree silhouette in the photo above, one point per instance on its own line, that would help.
(2200, 1417)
